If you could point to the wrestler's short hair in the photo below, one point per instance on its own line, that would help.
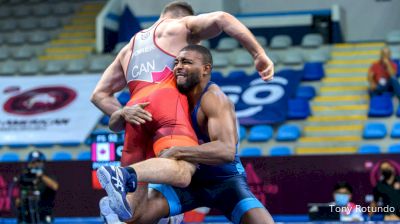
(207, 57)
(178, 9)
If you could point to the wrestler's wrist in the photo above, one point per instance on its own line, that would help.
(121, 112)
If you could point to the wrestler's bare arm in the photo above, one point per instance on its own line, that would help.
(112, 81)
(209, 25)
(221, 127)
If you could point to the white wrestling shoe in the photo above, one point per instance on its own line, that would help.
(177, 219)
(108, 215)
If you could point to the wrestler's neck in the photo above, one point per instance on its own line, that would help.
(195, 93)
(169, 16)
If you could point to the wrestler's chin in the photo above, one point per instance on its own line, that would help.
(182, 88)
(181, 80)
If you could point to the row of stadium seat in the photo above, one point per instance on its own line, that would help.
(263, 133)
(16, 27)
(36, 67)
(312, 71)
(376, 149)
(378, 130)
(37, 10)
(44, 145)
(56, 156)
(273, 151)
(312, 40)
(382, 106)
(287, 151)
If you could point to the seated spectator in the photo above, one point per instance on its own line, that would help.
(342, 194)
(387, 191)
(382, 75)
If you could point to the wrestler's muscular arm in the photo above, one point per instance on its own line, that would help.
(219, 118)
(112, 81)
(206, 26)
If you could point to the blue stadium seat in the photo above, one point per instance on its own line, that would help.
(105, 120)
(288, 132)
(395, 131)
(250, 151)
(10, 157)
(237, 75)
(242, 132)
(62, 156)
(312, 40)
(124, 97)
(306, 92)
(227, 44)
(280, 151)
(298, 109)
(394, 148)
(84, 155)
(43, 145)
(18, 146)
(374, 131)
(369, 149)
(380, 106)
(313, 71)
(100, 131)
(216, 76)
(69, 144)
(281, 42)
(260, 133)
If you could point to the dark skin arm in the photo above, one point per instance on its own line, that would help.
(134, 114)
(221, 126)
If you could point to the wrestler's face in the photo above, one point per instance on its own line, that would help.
(188, 70)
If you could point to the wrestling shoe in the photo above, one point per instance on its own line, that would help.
(176, 219)
(117, 181)
(108, 215)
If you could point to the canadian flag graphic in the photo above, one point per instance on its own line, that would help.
(103, 152)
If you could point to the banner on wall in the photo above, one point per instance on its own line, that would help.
(47, 109)
(258, 102)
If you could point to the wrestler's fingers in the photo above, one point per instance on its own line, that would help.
(145, 116)
(143, 111)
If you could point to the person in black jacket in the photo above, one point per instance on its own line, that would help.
(387, 191)
(37, 191)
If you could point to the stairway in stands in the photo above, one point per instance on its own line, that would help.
(340, 110)
(77, 39)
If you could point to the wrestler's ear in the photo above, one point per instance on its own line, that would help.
(207, 69)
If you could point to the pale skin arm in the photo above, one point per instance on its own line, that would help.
(206, 26)
(112, 81)
(222, 132)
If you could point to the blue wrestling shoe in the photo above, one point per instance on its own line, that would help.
(117, 181)
(108, 215)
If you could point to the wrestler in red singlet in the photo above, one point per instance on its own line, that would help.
(150, 79)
